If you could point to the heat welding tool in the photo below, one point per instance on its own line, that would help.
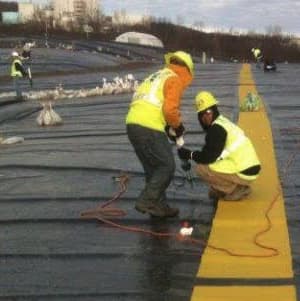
(185, 164)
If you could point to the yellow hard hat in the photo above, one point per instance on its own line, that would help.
(204, 100)
(182, 56)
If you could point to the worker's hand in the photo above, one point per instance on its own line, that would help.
(184, 153)
(170, 133)
(179, 130)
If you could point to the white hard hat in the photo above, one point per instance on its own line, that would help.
(14, 53)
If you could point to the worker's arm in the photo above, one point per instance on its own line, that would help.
(214, 145)
(173, 90)
(20, 68)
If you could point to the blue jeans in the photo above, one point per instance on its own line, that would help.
(155, 154)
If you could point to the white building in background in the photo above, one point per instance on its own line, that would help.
(16, 12)
(75, 9)
(26, 11)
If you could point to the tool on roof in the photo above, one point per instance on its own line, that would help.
(185, 164)
(30, 76)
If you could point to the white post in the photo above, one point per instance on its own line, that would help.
(203, 57)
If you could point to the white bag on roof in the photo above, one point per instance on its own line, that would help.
(12, 140)
(48, 116)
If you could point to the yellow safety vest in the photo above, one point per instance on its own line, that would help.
(238, 154)
(146, 105)
(14, 72)
(257, 52)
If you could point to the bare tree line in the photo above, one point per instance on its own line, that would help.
(220, 45)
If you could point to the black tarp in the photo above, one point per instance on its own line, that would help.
(48, 252)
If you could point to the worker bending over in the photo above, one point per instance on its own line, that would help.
(153, 112)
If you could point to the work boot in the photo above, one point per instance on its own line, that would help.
(165, 210)
(215, 194)
(144, 206)
(156, 209)
(239, 192)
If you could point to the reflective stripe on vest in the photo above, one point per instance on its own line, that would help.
(146, 105)
(241, 139)
(235, 136)
(149, 92)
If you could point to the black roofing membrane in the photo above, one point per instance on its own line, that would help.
(48, 252)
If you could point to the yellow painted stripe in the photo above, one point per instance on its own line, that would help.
(244, 293)
(236, 224)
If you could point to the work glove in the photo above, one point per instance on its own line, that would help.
(179, 130)
(170, 133)
(184, 153)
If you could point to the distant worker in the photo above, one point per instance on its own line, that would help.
(26, 59)
(257, 56)
(227, 162)
(17, 72)
(26, 53)
(154, 115)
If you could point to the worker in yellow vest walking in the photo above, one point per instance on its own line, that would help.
(257, 56)
(228, 162)
(154, 114)
(17, 72)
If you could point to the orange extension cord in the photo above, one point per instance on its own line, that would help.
(104, 213)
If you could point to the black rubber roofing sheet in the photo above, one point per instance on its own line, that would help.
(48, 252)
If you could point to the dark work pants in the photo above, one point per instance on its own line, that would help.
(155, 154)
(17, 86)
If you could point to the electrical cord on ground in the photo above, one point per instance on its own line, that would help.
(104, 213)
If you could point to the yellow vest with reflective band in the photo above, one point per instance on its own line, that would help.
(146, 105)
(238, 154)
(14, 72)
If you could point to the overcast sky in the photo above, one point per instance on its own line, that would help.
(247, 15)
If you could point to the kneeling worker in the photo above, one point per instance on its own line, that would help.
(228, 161)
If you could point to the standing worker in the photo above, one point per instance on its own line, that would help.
(26, 59)
(257, 56)
(228, 161)
(17, 72)
(154, 114)
(26, 53)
